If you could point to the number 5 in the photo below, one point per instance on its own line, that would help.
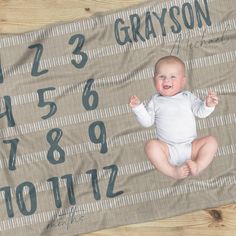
(42, 103)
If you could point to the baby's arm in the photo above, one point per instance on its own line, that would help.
(145, 116)
(201, 108)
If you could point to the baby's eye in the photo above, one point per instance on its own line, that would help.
(173, 77)
(161, 77)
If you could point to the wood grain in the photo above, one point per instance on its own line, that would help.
(213, 222)
(25, 15)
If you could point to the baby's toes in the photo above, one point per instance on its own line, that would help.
(184, 171)
(185, 168)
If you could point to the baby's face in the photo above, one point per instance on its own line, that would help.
(169, 78)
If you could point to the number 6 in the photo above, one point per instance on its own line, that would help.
(87, 93)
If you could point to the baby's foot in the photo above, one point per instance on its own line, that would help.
(193, 167)
(181, 172)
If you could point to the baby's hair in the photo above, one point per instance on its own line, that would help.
(168, 59)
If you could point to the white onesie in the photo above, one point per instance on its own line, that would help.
(174, 117)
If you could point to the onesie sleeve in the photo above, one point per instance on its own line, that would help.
(145, 115)
(199, 107)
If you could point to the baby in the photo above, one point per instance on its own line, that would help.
(177, 152)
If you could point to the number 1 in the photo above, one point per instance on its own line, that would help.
(1, 75)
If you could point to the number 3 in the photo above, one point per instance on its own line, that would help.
(77, 51)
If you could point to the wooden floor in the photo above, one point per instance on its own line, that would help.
(24, 15)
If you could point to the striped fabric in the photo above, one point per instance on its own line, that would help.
(72, 154)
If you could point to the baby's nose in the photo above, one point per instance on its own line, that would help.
(167, 79)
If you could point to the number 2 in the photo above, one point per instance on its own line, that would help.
(38, 55)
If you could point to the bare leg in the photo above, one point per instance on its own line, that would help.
(203, 152)
(157, 152)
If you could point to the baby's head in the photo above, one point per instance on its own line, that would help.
(169, 75)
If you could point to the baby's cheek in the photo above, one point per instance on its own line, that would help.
(158, 85)
(178, 84)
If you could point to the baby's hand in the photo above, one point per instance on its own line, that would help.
(212, 99)
(134, 101)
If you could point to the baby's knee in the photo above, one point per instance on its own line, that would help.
(155, 145)
(212, 141)
(150, 145)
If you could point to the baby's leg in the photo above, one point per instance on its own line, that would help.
(203, 152)
(158, 153)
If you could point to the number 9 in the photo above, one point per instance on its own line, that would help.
(102, 137)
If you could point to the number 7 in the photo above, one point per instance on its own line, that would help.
(12, 157)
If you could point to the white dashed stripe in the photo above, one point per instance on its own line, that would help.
(223, 89)
(169, 38)
(84, 24)
(107, 82)
(122, 201)
(140, 136)
(94, 115)
(216, 121)
(64, 121)
(115, 49)
(119, 79)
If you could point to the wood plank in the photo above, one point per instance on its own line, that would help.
(215, 222)
(25, 15)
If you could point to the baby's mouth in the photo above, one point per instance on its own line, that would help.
(167, 86)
